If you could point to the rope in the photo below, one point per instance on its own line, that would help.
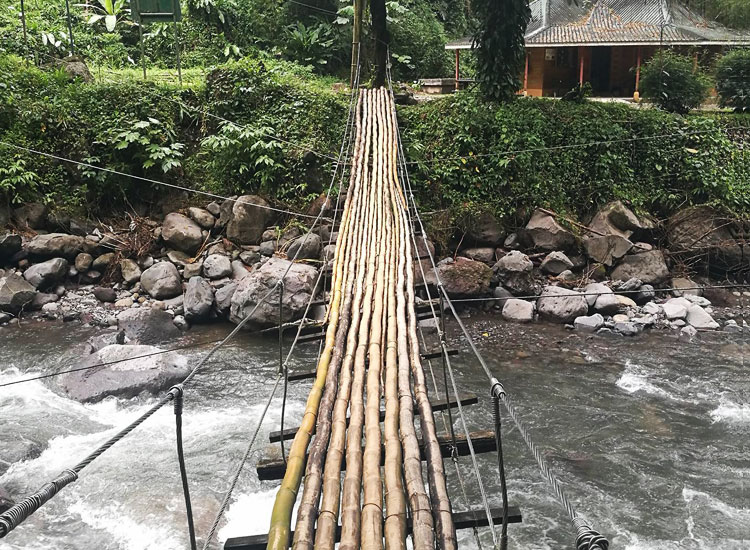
(178, 405)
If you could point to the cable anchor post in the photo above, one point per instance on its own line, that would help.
(177, 392)
(497, 392)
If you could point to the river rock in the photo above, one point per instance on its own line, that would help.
(147, 325)
(214, 208)
(649, 267)
(194, 269)
(674, 311)
(518, 311)
(199, 297)
(130, 271)
(502, 295)
(47, 273)
(249, 257)
(615, 219)
(462, 277)
(15, 293)
(83, 262)
(223, 297)
(606, 249)
(514, 271)
(305, 247)
(202, 217)
(105, 294)
(321, 205)
(704, 229)
(685, 287)
(249, 218)
(546, 234)
(652, 308)
(162, 281)
(561, 305)
(239, 271)
(607, 304)
(33, 215)
(10, 245)
(217, 266)
(485, 230)
(298, 287)
(126, 378)
(102, 262)
(41, 299)
(485, 255)
(628, 328)
(182, 233)
(594, 291)
(698, 317)
(646, 293)
(688, 334)
(590, 323)
(267, 248)
(56, 245)
(555, 263)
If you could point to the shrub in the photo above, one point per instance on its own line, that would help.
(669, 80)
(733, 80)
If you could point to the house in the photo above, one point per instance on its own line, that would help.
(604, 42)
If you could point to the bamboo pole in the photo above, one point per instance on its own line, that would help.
(395, 502)
(308, 508)
(352, 486)
(329, 507)
(372, 487)
(278, 533)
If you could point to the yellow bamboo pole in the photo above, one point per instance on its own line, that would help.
(278, 533)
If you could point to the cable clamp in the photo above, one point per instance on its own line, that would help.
(496, 388)
(177, 392)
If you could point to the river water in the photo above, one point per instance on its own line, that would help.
(649, 436)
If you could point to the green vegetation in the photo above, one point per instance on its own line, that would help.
(733, 80)
(671, 81)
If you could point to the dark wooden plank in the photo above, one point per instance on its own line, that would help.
(484, 442)
(438, 354)
(466, 399)
(462, 520)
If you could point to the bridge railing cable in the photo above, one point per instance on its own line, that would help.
(587, 538)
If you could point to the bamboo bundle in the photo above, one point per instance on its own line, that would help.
(278, 533)
(308, 508)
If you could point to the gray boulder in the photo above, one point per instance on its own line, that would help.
(33, 215)
(321, 205)
(594, 290)
(628, 328)
(249, 218)
(223, 297)
(47, 273)
(41, 299)
(555, 263)
(649, 267)
(130, 271)
(249, 257)
(191, 270)
(518, 311)
(202, 217)
(462, 277)
(239, 271)
(514, 271)
(607, 304)
(146, 325)
(485, 230)
(298, 287)
(305, 247)
(161, 281)
(590, 323)
(615, 219)
(181, 233)
(685, 287)
(702, 229)
(83, 262)
(561, 305)
(199, 297)
(105, 294)
(267, 248)
(56, 245)
(698, 318)
(102, 262)
(15, 293)
(10, 244)
(216, 266)
(483, 254)
(127, 376)
(502, 294)
(546, 234)
(607, 249)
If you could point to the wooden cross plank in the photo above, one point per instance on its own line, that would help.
(461, 520)
(437, 405)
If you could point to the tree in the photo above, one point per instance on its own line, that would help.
(671, 82)
(380, 33)
(499, 44)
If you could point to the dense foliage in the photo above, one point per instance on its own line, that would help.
(469, 154)
(671, 81)
(499, 42)
(733, 80)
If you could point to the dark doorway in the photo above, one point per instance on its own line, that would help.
(601, 64)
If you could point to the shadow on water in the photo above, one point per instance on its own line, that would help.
(649, 437)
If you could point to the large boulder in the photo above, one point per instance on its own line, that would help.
(561, 305)
(127, 375)
(202, 217)
(33, 215)
(56, 245)
(321, 205)
(217, 266)
(462, 277)
(162, 280)
(484, 254)
(199, 297)
(223, 297)
(130, 271)
(514, 271)
(607, 249)
(10, 244)
(145, 325)
(485, 230)
(518, 311)
(555, 263)
(181, 233)
(15, 293)
(545, 233)
(47, 273)
(649, 267)
(305, 247)
(249, 217)
(297, 290)
(615, 219)
(702, 229)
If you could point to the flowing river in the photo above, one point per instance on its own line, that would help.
(649, 436)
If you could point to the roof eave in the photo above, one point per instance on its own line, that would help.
(621, 43)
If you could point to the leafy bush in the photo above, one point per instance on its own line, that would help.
(669, 80)
(733, 80)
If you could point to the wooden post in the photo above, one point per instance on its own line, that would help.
(356, 33)
(695, 62)
(526, 75)
(637, 94)
(457, 69)
(581, 56)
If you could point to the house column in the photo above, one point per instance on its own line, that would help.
(457, 50)
(637, 94)
(526, 76)
(581, 57)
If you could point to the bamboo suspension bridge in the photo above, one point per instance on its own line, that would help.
(368, 478)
